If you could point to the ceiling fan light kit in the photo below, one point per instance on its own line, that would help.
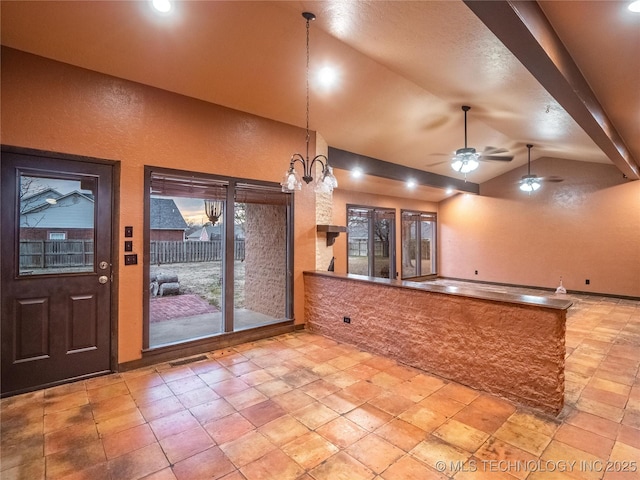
(465, 160)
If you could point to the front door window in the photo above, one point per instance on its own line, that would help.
(56, 231)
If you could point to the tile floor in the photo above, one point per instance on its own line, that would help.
(301, 406)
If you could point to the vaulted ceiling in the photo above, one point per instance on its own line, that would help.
(562, 75)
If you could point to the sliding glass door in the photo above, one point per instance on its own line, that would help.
(218, 256)
(371, 241)
(418, 244)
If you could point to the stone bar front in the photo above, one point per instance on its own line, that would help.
(503, 344)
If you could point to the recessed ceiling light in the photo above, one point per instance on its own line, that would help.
(162, 6)
(356, 173)
(327, 76)
(635, 6)
(449, 191)
(411, 184)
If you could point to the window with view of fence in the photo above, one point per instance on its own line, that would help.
(163, 252)
(358, 248)
(55, 253)
(78, 253)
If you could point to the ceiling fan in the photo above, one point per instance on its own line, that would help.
(466, 159)
(529, 182)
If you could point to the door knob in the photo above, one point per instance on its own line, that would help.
(103, 265)
(103, 279)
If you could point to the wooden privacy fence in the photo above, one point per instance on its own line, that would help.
(191, 251)
(55, 253)
(359, 248)
(79, 253)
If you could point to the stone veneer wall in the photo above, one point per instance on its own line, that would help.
(512, 350)
(265, 259)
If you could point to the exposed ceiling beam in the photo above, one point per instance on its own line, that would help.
(379, 168)
(524, 29)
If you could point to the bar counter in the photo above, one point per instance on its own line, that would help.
(504, 344)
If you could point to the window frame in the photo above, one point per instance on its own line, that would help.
(201, 180)
(434, 253)
(371, 214)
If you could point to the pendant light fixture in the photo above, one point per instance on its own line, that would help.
(213, 210)
(529, 183)
(466, 159)
(291, 180)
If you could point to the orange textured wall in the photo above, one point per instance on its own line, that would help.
(586, 227)
(342, 198)
(53, 106)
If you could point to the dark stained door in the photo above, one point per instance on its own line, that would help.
(56, 269)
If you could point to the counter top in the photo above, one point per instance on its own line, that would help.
(479, 293)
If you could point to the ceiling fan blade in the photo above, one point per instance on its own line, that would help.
(552, 179)
(493, 150)
(437, 163)
(495, 158)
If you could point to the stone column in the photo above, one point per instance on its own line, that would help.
(323, 211)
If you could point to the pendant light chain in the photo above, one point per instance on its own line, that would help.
(307, 89)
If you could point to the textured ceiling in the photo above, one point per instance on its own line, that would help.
(405, 69)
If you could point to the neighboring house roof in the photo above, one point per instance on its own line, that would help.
(208, 232)
(165, 215)
(71, 210)
(37, 199)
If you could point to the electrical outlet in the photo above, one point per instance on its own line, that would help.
(346, 319)
(587, 282)
(476, 272)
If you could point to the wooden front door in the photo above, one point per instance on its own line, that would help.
(56, 269)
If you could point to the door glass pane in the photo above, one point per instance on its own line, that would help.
(418, 244)
(56, 230)
(218, 256)
(185, 271)
(371, 241)
(382, 231)
(358, 235)
(427, 242)
(409, 246)
(260, 247)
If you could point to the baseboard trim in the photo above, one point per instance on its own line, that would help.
(167, 353)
